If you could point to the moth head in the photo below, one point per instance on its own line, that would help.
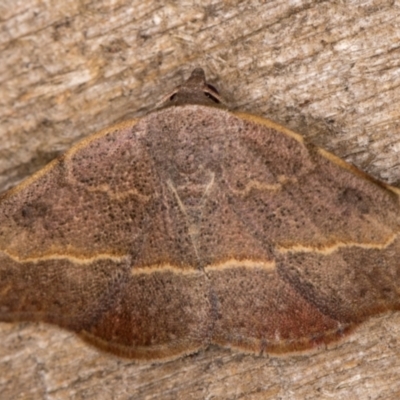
(196, 90)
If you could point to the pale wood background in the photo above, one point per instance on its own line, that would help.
(327, 69)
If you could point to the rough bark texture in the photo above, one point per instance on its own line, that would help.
(329, 70)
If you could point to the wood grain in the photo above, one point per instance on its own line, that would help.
(328, 70)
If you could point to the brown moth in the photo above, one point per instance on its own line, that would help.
(194, 226)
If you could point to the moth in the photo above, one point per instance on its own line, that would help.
(195, 225)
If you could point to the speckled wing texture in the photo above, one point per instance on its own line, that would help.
(195, 226)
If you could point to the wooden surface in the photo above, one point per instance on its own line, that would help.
(329, 70)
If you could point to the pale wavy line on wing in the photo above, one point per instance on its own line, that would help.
(68, 257)
(327, 250)
(268, 265)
